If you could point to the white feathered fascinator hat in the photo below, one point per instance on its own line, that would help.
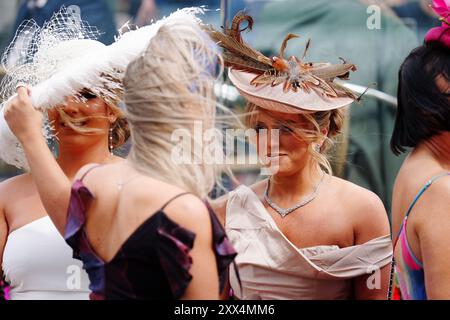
(61, 58)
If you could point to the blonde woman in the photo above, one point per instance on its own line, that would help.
(140, 227)
(301, 233)
(34, 258)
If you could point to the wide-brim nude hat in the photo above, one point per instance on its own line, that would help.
(278, 84)
(275, 99)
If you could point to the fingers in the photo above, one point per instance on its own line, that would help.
(22, 92)
(23, 95)
(20, 84)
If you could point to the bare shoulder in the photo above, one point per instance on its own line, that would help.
(15, 181)
(259, 187)
(85, 169)
(220, 204)
(364, 208)
(190, 212)
(436, 201)
(357, 198)
(9, 187)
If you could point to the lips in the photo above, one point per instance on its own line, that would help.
(272, 155)
(63, 124)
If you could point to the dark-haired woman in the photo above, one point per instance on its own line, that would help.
(421, 197)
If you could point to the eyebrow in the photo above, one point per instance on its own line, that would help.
(288, 122)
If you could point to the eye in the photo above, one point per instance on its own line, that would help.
(285, 129)
(259, 126)
(87, 94)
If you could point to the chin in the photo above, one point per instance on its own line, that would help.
(283, 166)
(75, 140)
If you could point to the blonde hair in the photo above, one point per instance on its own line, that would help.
(171, 87)
(332, 120)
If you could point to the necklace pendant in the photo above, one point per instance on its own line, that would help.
(283, 212)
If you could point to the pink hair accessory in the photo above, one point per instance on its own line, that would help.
(440, 34)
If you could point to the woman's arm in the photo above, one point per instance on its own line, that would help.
(219, 206)
(371, 222)
(52, 184)
(192, 214)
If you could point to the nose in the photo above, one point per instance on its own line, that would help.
(71, 106)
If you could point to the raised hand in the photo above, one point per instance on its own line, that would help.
(22, 118)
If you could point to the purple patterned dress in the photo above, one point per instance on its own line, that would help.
(153, 263)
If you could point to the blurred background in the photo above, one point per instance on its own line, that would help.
(374, 35)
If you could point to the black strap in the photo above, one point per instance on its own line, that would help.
(177, 196)
(89, 170)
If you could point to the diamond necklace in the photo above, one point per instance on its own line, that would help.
(283, 212)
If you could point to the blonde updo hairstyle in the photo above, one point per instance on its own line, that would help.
(171, 87)
(332, 120)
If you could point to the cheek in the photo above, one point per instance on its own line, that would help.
(292, 144)
(296, 149)
(97, 115)
(95, 107)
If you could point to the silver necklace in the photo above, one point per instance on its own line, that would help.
(283, 212)
(121, 183)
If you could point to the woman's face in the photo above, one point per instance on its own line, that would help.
(287, 154)
(93, 115)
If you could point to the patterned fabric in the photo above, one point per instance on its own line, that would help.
(409, 269)
(153, 263)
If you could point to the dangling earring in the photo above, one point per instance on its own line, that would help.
(317, 147)
(111, 141)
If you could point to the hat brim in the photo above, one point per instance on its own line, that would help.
(275, 99)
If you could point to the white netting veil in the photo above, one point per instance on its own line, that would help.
(30, 59)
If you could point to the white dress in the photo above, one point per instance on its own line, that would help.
(38, 265)
(272, 267)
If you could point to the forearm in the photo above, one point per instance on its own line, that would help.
(52, 184)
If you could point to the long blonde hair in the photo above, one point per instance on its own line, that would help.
(171, 87)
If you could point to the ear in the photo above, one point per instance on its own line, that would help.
(325, 132)
(112, 117)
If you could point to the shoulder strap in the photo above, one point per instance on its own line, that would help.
(173, 198)
(421, 192)
(89, 170)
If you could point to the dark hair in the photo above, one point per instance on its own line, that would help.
(423, 110)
